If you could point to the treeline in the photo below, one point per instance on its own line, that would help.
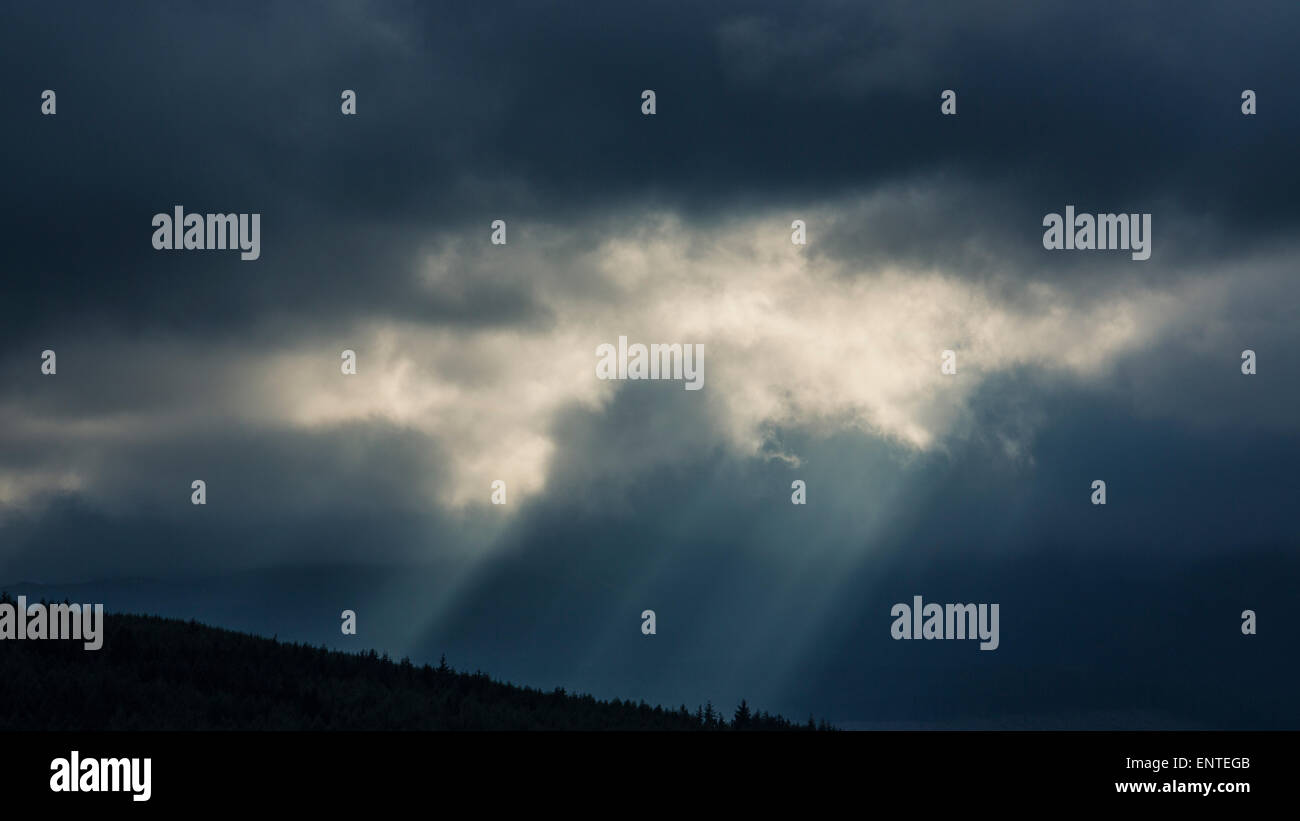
(166, 674)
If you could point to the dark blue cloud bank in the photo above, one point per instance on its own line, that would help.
(476, 361)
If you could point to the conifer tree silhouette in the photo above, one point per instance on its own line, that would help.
(741, 720)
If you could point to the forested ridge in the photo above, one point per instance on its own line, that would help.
(166, 674)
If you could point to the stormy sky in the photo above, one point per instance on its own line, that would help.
(476, 362)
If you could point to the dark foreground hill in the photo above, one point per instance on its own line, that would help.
(166, 674)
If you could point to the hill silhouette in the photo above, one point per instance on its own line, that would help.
(166, 674)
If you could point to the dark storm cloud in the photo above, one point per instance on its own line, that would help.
(274, 497)
(474, 113)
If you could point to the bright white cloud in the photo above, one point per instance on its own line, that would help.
(792, 339)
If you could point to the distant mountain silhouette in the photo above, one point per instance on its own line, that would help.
(166, 674)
